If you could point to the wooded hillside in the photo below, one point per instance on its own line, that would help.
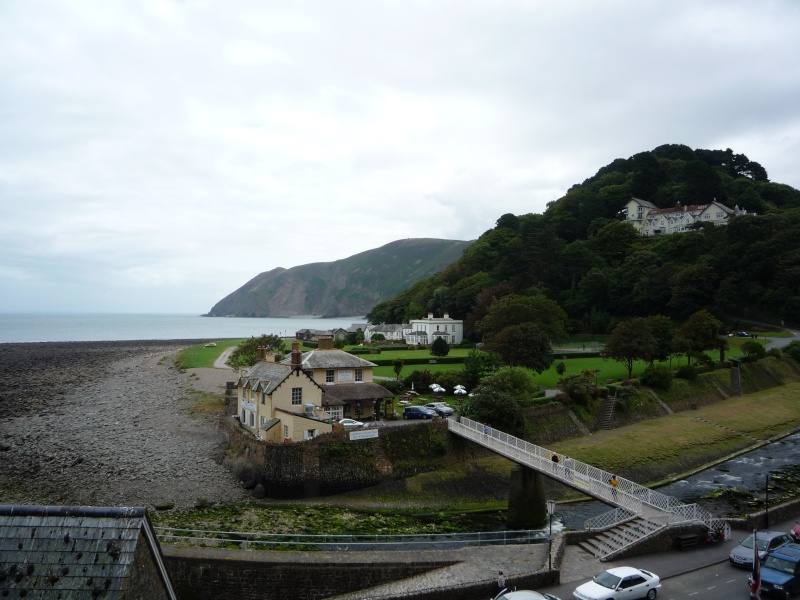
(581, 254)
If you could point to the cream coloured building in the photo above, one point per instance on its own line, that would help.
(302, 396)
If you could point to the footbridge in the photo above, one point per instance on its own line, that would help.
(638, 512)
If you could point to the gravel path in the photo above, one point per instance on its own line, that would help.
(107, 424)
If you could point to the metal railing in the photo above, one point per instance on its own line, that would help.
(628, 495)
(272, 541)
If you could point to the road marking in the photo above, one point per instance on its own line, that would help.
(731, 581)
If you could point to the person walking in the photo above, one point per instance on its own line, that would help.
(567, 467)
(501, 581)
(613, 482)
(554, 458)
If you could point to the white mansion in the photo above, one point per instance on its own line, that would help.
(648, 219)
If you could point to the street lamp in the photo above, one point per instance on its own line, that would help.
(551, 508)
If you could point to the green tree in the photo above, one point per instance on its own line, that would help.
(753, 349)
(630, 341)
(516, 309)
(397, 366)
(523, 345)
(700, 332)
(663, 330)
(515, 382)
(561, 368)
(496, 409)
(477, 364)
(579, 388)
(440, 347)
(245, 353)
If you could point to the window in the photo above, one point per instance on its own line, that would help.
(297, 395)
(345, 375)
(286, 432)
(359, 375)
(706, 217)
(252, 420)
(244, 417)
(329, 376)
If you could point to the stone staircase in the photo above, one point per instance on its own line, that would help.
(612, 540)
(607, 412)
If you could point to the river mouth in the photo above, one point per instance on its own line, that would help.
(733, 488)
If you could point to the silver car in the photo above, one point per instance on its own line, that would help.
(441, 408)
(742, 555)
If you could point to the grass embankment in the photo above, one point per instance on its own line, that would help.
(201, 357)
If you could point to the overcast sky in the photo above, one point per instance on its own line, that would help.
(155, 155)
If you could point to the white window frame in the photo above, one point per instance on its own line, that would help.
(297, 396)
(345, 375)
(330, 375)
(359, 375)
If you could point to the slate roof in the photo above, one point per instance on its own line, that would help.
(331, 359)
(265, 376)
(353, 392)
(74, 552)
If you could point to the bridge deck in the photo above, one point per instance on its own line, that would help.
(630, 497)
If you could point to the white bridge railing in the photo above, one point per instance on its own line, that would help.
(634, 499)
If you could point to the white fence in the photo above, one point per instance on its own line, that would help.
(633, 498)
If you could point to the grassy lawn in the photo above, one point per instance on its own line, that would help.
(200, 357)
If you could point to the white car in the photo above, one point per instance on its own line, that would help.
(351, 423)
(620, 582)
(524, 595)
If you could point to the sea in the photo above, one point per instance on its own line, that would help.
(38, 327)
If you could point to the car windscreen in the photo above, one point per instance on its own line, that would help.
(608, 580)
(779, 564)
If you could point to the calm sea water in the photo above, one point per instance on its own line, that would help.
(26, 327)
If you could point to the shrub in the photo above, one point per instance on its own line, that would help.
(657, 376)
(793, 350)
(688, 373)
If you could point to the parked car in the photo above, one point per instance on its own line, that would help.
(743, 334)
(441, 408)
(795, 532)
(350, 423)
(742, 555)
(210, 345)
(780, 572)
(620, 582)
(375, 424)
(418, 412)
(524, 595)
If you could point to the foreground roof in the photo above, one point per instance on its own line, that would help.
(331, 359)
(354, 391)
(76, 552)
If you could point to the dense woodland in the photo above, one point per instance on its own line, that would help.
(580, 267)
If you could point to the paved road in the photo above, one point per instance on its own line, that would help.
(699, 574)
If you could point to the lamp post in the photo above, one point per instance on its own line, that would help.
(551, 508)
(766, 503)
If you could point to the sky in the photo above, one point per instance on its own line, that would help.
(155, 155)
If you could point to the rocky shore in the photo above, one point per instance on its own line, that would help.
(107, 424)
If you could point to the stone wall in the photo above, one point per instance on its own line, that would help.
(332, 464)
(207, 574)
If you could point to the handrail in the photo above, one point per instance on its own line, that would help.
(628, 495)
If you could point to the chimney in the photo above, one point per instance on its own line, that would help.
(297, 356)
(430, 315)
(325, 342)
(446, 315)
(261, 354)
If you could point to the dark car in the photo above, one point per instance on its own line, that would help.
(418, 412)
(780, 572)
(743, 334)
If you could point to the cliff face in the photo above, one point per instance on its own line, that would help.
(347, 287)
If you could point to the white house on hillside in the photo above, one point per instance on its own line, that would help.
(648, 219)
(425, 331)
(391, 331)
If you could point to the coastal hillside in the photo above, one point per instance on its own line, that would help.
(346, 287)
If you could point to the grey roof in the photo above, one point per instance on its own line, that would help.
(74, 552)
(388, 327)
(354, 327)
(265, 376)
(355, 391)
(331, 359)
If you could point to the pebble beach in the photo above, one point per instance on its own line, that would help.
(108, 424)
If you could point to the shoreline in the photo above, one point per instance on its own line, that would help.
(106, 423)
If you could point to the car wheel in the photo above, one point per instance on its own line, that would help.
(651, 594)
(405, 416)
